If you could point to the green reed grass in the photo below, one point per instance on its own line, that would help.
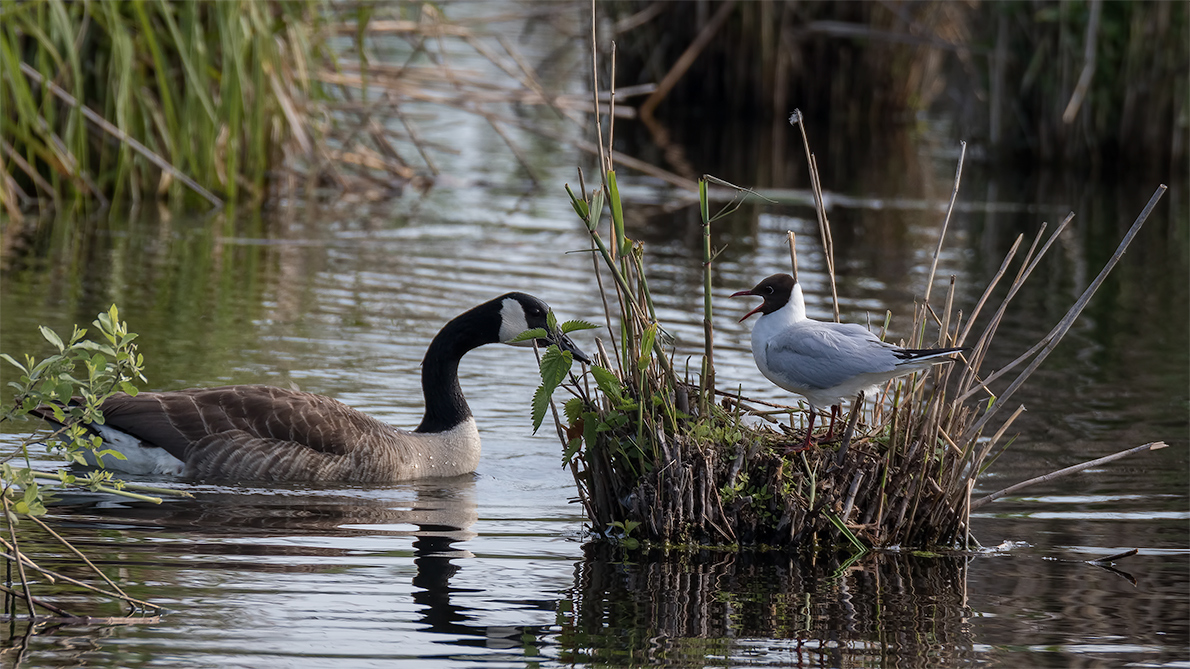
(126, 100)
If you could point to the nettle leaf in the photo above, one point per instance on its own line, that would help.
(541, 402)
(590, 428)
(551, 321)
(608, 383)
(577, 326)
(554, 366)
(535, 333)
(573, 408)
(572, 449)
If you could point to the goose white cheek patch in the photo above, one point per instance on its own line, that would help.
(512, 322)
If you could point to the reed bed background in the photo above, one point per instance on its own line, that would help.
(1089, 83)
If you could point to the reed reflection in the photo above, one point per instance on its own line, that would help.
(768, 608)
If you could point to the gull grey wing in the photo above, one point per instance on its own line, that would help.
(822, 355)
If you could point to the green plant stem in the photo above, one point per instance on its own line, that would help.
(133, 486)
(107, 489)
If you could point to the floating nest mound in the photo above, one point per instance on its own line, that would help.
(754, 485)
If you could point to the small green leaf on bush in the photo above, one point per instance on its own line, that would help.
(52, 337)
(572, 448)
(555, 363)
(554, 366)
(14, 362)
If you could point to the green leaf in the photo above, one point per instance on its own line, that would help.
(551, 321)
(617, 213)
(590, 429)
(554, 366)
(608, 383)
(14, 362)
(52, 337)
(596, 210)
(573, 408)
(572, 449)
(577, 326)
(541, 402)
(646, 347)
(535, 333)
(580, 206)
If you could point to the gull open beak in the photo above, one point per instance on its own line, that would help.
(741, 294)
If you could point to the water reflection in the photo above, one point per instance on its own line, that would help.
(767, 608)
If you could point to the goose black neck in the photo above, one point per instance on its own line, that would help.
(445, 405)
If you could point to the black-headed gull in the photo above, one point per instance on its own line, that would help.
(824, 362)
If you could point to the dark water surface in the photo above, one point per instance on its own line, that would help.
(341, 298)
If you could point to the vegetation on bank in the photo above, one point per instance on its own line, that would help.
(130, 101)
(210, 103)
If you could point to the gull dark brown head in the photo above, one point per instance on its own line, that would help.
(776, 291)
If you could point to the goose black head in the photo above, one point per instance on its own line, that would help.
(520, 312)
(776, 291)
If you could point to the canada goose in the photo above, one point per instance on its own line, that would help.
(824, 362)
(262, 433)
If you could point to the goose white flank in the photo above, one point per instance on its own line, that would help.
(825, 362)
(262, 433)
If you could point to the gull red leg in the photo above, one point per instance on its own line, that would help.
(830, 433)
(809, 434)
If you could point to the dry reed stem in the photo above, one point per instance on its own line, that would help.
(34, 600)
(1055, 335)
(819, 208)
(1074, 469)
(683, 63)
(78, 554)
(12, 532)
(954, 194)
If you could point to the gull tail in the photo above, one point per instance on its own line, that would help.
(915, 355)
